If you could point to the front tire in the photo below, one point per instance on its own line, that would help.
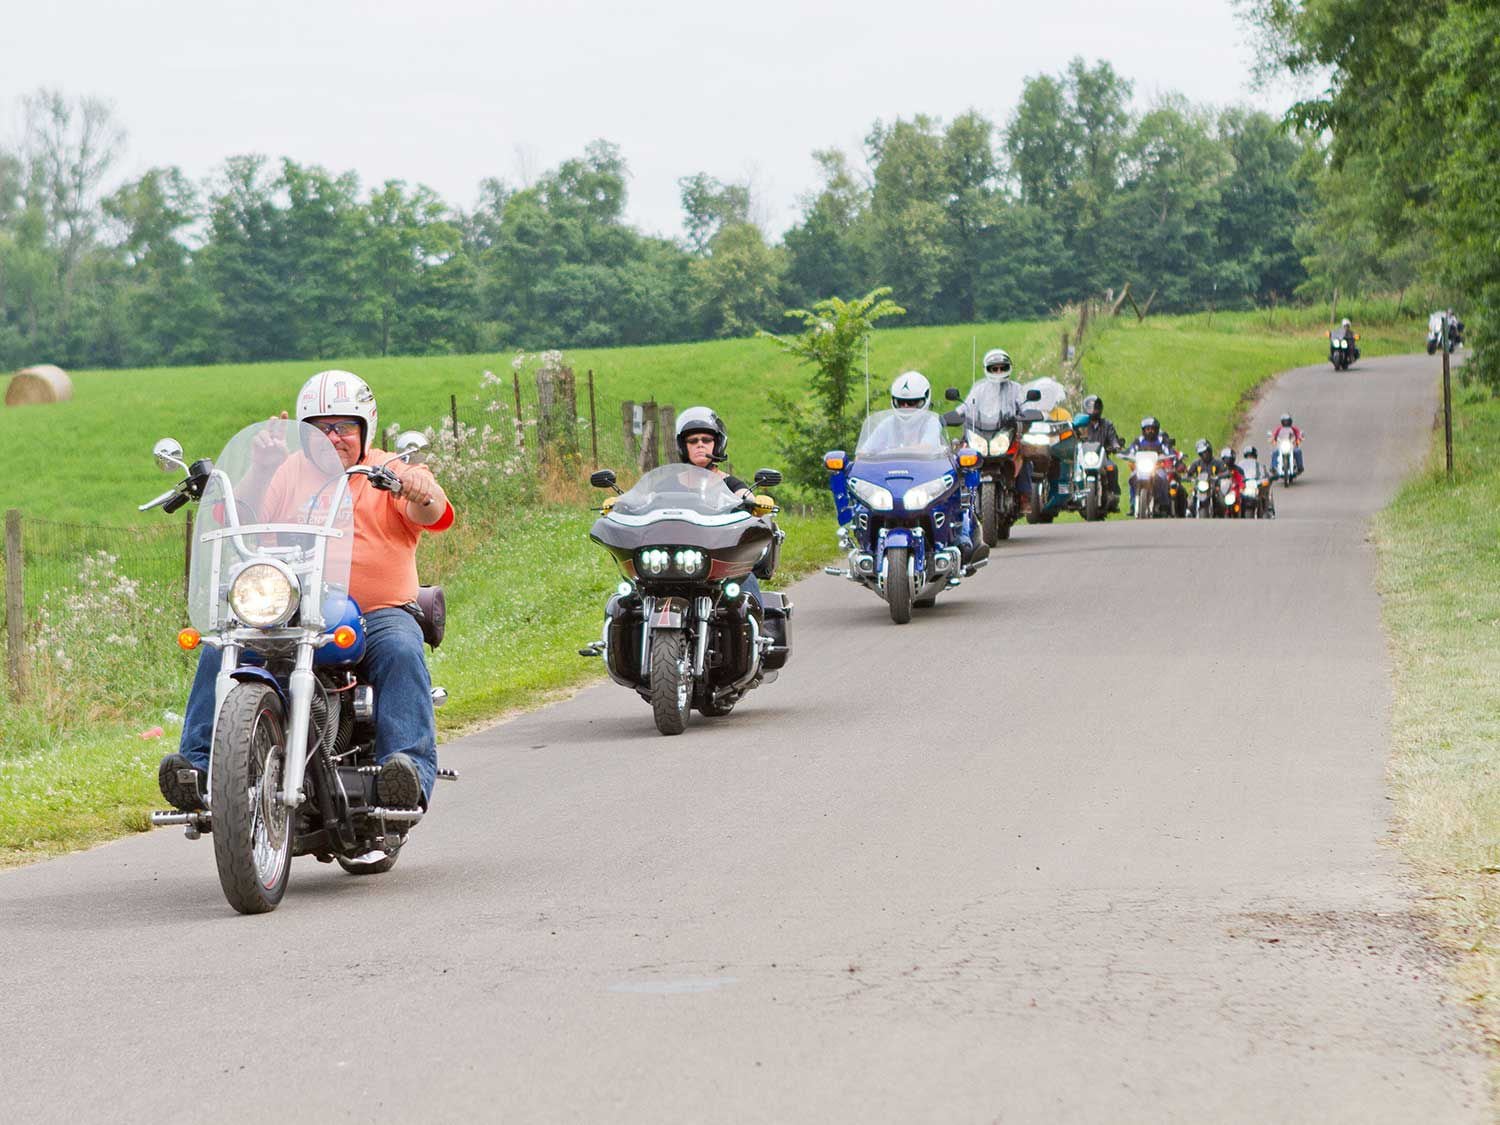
(671, 681)
(253, 829)
(989, 512)
(1093, 505)
(898, 584)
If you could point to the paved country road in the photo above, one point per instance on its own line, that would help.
(1102, 837)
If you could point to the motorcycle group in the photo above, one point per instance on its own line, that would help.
(309, 728)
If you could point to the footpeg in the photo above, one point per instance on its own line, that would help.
(194, 823)
(594, 648)
(447, 775)
(396, 816)
(836, 571)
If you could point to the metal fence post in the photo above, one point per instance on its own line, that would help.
(1447, 401)
(593, 422)
(15, 605)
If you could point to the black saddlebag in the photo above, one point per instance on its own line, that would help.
(776, 616)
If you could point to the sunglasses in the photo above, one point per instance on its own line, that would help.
(337, 429)
(699, 439)
(998, 367)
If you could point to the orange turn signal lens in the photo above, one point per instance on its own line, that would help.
(833, 464)
(968, 460)
(345, 636)
(188, 639)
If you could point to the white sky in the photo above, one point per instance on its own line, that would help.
(447, 92)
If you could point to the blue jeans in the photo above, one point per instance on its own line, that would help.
(1296, 460)
(393, 665)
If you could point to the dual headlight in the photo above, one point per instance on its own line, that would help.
(989, 447)
(683, 562)
(918, 496)
(264, 595)
(872, 494)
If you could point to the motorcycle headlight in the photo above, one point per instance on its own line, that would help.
(1145, 465)
(1091, 459)
(690, 561)
(872, 494)
(1203, 486)
(264, 595)
(1230, 497)
(919, 496)
(653, 561)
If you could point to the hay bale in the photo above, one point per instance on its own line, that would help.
(43, 383)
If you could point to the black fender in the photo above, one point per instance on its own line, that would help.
(249, 673)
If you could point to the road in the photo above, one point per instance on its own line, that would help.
(1102, 837)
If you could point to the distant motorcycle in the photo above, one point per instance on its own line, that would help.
(1228, 499)
(1089, 479)
(1342, 351)
(681, 631)
(1146, 468)
(1436, 333)
(1284, 460)
(995, 436)
(1256, 502)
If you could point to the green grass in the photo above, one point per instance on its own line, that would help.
(525, 586)
(1440, 585)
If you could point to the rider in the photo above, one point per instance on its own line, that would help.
(1346, 332)
(1228, 467)
(703, 440)
(382, 579)
(1252, 470)
(1009, 401)
(1101, 429)
(1151, 441)
(1286, 424)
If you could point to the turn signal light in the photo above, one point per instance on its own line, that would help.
(833, 464)
(188, 639)
(968, 458)
(345, 636)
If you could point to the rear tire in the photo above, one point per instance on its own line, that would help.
(253, 830)
(671, 681)
(898, 584)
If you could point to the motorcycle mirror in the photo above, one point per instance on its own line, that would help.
(1034, 395)
(412, 445)
(951, 394)
(602, 478)
(168, 454)
(953, 418)
(767, 478)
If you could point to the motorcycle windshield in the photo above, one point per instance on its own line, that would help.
(679, 488)
(985, 408)
(278, 496)
(897, 435)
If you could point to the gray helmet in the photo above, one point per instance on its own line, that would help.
(1093, 406)
(1204, 446)
(1226, 455)
(702, 420)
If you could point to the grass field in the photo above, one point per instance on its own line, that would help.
(525, 586)
(1440, 588)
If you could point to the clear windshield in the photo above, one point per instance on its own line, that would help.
(681, 488)
(893, 434)
(271, 496)
(990, 403)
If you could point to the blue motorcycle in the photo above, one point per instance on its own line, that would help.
(906, 509)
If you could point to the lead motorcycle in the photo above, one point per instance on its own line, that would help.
(905, 510)
(292, 768)
(682, 631)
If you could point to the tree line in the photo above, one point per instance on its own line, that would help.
(965, 220)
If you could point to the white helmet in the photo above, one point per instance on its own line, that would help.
(997, 358)
(911, 391)
(339, 394)
(1346, 323)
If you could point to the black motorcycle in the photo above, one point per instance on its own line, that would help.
(995, 436)
(682, 631)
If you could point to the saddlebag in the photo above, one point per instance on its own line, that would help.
(624, 627)
(765, 566)
(776, 616)
(431, 612)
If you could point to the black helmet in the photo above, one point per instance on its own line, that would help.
(1150, 428)
(702, 420)
(1204, 447)
(1093, 406)
(1250, 453)
(1286, 419)
(1168, 440)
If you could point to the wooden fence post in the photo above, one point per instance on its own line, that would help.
(593, 422)
(15, 605)
(557, 411)
(667, 417)
(648, 443)
(453, 412)
(627, 429)
(515, 377)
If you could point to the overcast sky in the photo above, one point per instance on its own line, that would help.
(447, 92)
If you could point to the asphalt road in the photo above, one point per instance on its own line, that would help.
(1102, 837)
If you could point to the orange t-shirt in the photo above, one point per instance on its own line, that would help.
(383, 565)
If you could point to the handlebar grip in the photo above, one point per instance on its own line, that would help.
(176, 502)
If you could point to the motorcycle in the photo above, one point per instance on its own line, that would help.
(1227, 500)
(1284, 460)
(906, 510)
(1342, 351)
(682, 631)
(292, 769)
(1051, 446)
(1202, 505)
(1443, 331)
(1147, 465)
(1256, 503)
(996, 438)
(1091, 496)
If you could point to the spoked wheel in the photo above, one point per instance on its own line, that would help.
(989, 512)
(671, 681)
(898, 584)
(1145, 503)
(253, 829)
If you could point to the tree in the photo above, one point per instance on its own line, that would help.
(738, 283)
(832, 341)
(709, 206)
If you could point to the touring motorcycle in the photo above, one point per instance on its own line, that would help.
(1342, 351)
(995, 436)
(292, 768)
(682, 630)
(905, 510)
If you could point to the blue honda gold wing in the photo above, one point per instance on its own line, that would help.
(905, 509)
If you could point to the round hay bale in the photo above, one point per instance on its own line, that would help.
(43, 383)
